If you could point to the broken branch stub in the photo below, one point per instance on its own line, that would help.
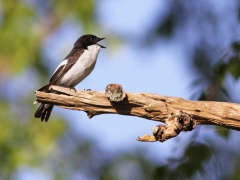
(174, 125)
(115, 92)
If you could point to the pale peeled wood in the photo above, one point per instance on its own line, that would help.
(149, 106)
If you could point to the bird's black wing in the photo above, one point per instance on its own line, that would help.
(72, 57)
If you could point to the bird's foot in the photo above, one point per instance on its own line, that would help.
(70, 87)
(73, 89)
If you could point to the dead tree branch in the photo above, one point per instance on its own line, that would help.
(178, 114)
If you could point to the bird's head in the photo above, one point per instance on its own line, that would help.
(88, 40)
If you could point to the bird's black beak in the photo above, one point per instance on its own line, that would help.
(99, 39)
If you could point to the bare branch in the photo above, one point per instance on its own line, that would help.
(168, 110)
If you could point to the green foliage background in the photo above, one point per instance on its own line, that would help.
(57, 151)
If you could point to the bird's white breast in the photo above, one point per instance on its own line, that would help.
(82, 68)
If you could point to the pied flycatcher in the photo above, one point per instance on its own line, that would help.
(78, 64)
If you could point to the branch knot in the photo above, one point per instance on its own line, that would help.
(115, 92)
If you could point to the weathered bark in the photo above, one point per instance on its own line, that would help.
(149, 106)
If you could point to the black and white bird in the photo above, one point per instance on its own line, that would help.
(78, 64)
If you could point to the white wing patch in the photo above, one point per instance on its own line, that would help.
(63, 63)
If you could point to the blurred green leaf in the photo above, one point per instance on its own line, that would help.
(223, 132)
(161, 172)
(236, 173)
(233, 68)
(167, 26)
(236, 46)
(219, 71)
(195, 155)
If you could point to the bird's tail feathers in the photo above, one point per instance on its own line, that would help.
(44, 88)
(44, 112)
